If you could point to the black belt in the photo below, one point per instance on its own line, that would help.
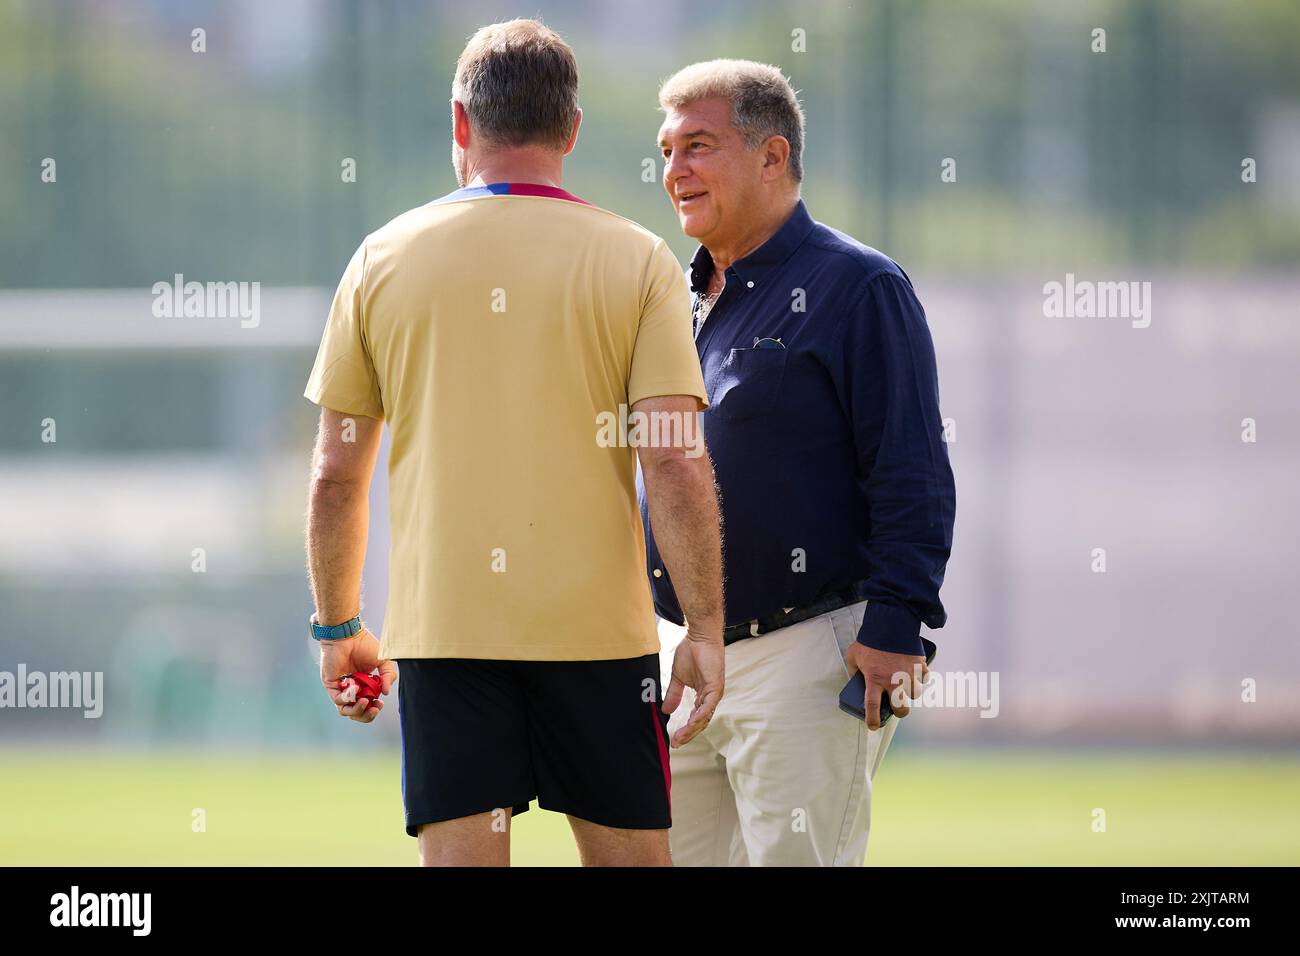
(831, 601)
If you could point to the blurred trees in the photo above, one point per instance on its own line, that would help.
(227, 163)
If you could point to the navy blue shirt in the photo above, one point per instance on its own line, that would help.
(828, 451)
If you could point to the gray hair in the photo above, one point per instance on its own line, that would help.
(763, 103)
(518, 82)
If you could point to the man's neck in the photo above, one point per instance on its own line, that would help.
(543, 167)
(729, 250)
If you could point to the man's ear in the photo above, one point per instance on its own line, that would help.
(776, 158)
(460, 130)
(573, 135)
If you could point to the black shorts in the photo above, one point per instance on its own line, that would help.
(586, 738)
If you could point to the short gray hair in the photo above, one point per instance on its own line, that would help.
(763, 103)
(518, 82)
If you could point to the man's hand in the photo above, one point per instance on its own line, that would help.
(360, 652)
(699, 663)
(899, 675)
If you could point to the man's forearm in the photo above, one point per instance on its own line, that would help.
(682, 502)
(338, 518)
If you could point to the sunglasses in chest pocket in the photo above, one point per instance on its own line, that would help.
(748, 382)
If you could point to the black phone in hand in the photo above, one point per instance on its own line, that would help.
(854, 693)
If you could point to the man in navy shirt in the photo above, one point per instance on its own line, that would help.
(837, 496)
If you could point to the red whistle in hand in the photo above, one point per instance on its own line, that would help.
(353, 687)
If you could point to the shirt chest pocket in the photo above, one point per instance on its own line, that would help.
(748, 383)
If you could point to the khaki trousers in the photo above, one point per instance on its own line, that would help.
(781, 776)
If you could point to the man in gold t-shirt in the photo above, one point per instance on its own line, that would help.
(524, 348)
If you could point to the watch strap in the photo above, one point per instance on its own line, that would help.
(335, 632)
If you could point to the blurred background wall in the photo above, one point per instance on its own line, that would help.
(1071, 434)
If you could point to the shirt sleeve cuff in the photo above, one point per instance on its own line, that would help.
(889, 628)
(317, 395)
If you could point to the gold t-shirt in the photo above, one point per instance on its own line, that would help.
(491, 329)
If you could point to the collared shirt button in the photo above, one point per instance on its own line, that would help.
(750, 284)
(658, 573)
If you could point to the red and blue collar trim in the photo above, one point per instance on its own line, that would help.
(509, 189)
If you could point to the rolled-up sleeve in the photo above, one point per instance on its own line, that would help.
(887, 382)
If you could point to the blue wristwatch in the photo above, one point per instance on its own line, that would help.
(336, 632)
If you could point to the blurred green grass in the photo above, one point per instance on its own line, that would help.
(941, 807)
